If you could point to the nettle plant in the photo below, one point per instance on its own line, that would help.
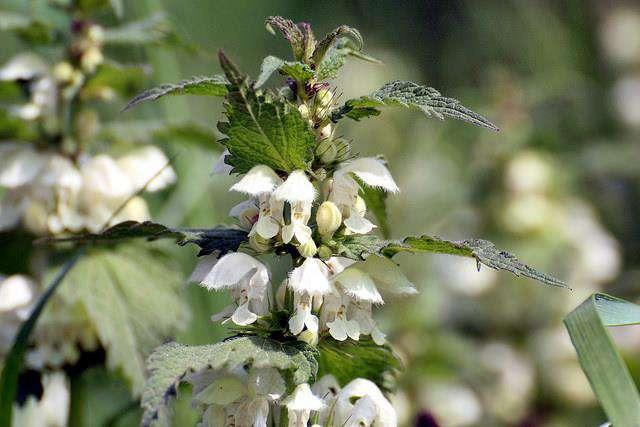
(307, 349)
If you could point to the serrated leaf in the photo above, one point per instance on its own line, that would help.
(130, 297)
(209, 86)
(209, 240)
(15, 358)
(295, 70)
(483, 251)
(600, 360)
(412, 95)
(171, 363)
(265, 133)
(358, 247)
(123, 80)
(376, 201)
(348, 360)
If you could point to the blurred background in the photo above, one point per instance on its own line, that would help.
(559, 185)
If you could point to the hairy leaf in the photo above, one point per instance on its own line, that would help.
(171, 363)
(348, 360)
(209, 240)
(210, 86)
(411, 95)
(358, 247)
(14, 359)
(260, 132)
(295, 70)
(607, 373)
(483, 251)
(130, 297)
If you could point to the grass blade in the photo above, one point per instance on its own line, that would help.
(13, 362)
(607, 373)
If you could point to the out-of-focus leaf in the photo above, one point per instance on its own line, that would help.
(12, 20)
(171, 363)
(376, 201)
(260, 132)
(412, 95)
(14, 128)
(111, 77)
(144, 131)
(152, 30)
(131, 298)
(209, 240)
(607, 373)
(348, 360)
(13, 361)
(27, 28)
(336, 57)
(209, 86)
(483, 251)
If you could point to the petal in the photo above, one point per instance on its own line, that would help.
(232, 268)
(242, 316)
(337, 264)
(19, 165)
(378, 336)
(358, 224)
(147, 166)
(310, 277)
(372, 172)
(288, 232)
(15, 292)
(302, 233)
(260, 179)
(358, 285)
(267, 227)
(352, 329)
(337, 330)
(297, 188)
(103, 179)
(303, 399)
(296, 322)
(311, 322)
(388, 276)
(23, 67)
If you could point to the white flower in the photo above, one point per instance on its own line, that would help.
(296, 188)
(259, 180)
(298, 228)
(24, 66)
(326, 388)
(246, 213)
(361, 403)
(302, 317)
(220, 167)
(358, 285)
(248, 279)
(144, 164)
(20, 163)
(371, 171)
(300, 404)
(16, 292)
(311, 278)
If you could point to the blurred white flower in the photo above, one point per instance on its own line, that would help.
(143, 164)
(17, 296)
(529, 172)
(452, 404)
(620, 34)
(626, 93)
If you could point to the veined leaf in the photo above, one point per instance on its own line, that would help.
(209, 240)
(210, 86)
(359, 246)
(130, 297)
(262, 132)
(333, 37)
(607, 373)
(411, 95)
(348, 360)
(483, 251)
(13, 361)
(171, 363)
(295, 70)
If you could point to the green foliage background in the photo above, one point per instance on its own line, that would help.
(489, 351)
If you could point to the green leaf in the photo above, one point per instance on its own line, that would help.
(348, 360)
(296, 70)
(151, 30)
(336, 57)
(358, 247)
(209, 240)
(483, 251)
(13, 361)
(12, 127)
(376, 201)
(131, 299)
(123, 80)
(171, 363)
(25, 27)
(209, 86)
(290, 31)
(412, 95)
(262, 132)
(607, 373)
(333, 37)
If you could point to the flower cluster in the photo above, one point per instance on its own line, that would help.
(257, 397)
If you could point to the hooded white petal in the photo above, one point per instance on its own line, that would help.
(358, 285)
(242, 316)
(340, 329)
(23, 67)
(376, 409)
(297, 188)
(147, 163)
(231, 269)
(221, 168)
(311, 277)
(260, 179)
(358, 224)
(300, 404)
(16, 292)
(371, 171)
(266, 227)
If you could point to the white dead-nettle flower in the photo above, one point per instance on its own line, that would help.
(300, 193)
(248, 280)
(220, 167)
(246, 213)
(361, 403)
(309, 281)
(334, 317)
(42, 86)
(260, 182)
(147, 166)
(326, 388)
(300, 404)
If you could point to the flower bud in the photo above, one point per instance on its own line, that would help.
(308, 248)
(324, 252)
(304, 111)
(328, 218)
(258, 244)
(63, 72)
(90, 59)
(309, 337)
(326, 150)
(325, 132)
(95, 34)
